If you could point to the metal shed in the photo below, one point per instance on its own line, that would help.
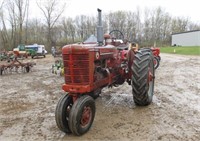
(189, 38)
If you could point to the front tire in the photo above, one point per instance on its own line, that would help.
(82, 115)
(63, 109)
(143, 77)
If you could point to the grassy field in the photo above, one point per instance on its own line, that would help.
(181, 50)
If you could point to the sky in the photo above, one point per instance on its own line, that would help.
(176, 8)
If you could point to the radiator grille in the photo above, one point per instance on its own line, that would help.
(76, 68)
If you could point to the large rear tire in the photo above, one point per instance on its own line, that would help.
(82, 115)
(63, 109)
(143, 77)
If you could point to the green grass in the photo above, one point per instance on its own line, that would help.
(195, 50)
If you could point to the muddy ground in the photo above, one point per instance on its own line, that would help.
(28, 101)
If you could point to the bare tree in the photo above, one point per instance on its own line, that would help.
(117, 20)
(179, 24)
(13, 33)
(156, 27)
(133, 26)
(146, 28)
(12, 19)
(15, 28)
(22, 8)
(80, 26)
(51, 13)
(35, 32)
(91, 24)
(193, 26)
(69, 29)
(4, 33)
(1, 6)
(3, 25)
(165, 33)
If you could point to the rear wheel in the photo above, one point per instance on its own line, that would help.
(82, 115)
(63, 109)
(143, 77)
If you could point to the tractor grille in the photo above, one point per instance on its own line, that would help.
(76, 68)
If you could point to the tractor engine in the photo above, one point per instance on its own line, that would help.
(90, 67)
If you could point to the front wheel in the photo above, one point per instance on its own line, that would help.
(143, 77)
(82, 115)
(63, 109)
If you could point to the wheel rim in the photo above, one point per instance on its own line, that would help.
(155, 63)
(86, 116)
(150, 79)
(68, 108)
(150, 85)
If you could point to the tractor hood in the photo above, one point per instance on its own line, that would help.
(86, 48)
(78, 48)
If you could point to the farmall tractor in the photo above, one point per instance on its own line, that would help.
(89, 67)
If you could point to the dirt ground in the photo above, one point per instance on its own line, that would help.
(28, 101)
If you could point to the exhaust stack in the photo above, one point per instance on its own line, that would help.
(99, 28)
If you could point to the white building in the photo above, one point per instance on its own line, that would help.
(189, 38)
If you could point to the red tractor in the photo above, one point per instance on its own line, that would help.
(89, 67)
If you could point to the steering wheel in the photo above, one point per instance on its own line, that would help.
(117, 34)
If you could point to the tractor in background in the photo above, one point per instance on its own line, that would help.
(36, 50)
(20, 51)
(89, 67)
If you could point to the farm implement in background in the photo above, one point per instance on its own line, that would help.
(35, 50)
(6, 55)
(15, 65)
(58, 67)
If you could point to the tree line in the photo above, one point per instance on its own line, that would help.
(152, 27)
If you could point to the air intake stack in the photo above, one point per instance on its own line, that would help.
(99, 28)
